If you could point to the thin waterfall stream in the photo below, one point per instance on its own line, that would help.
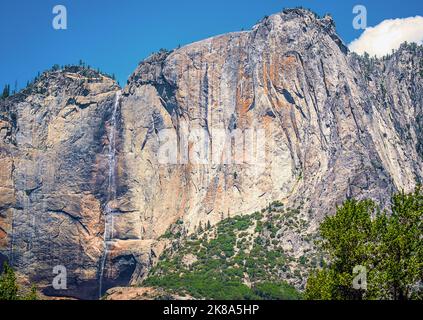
(111, 192)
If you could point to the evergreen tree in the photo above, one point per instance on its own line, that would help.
(6, 91)
(200, 228)
(389, 246)
(8, 286)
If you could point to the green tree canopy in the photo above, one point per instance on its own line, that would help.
(388, 245)
(8, 286)
(9, 289)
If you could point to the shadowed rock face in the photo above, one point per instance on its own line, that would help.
(332, 125)
(53, 170)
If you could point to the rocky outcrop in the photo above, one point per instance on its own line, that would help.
(54, 169)
(333, 125)
(220, 127)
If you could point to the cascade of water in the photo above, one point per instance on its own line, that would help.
(12, 239)
(30, 215)
(111, 192)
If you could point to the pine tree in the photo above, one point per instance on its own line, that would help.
(6, 91)
(8, 286)
(388, 245)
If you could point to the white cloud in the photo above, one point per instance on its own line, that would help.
(388, 35)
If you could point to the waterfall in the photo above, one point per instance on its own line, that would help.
(111, 192)
(12, 238)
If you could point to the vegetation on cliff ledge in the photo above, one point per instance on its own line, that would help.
(241, 257)
(233, 260)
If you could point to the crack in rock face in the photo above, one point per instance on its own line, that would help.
(281, 112)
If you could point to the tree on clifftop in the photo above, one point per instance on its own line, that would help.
(6, 91)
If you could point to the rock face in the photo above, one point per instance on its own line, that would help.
(220, 127)
(54, 175)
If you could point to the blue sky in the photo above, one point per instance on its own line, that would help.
(115, 35)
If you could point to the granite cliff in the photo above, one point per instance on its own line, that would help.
(84, 181)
